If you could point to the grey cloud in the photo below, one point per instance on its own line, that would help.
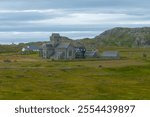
(15, 19)
(21, 16)
(42, 4)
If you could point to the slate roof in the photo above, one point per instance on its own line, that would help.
(46, 45)
(32, 48)
(110, 54)
(63, 45)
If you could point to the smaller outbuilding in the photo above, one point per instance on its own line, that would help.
(31, 48)
(110, 55)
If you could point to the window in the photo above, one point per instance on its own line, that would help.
(70, 53)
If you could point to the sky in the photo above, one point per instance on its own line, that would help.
(35, 20)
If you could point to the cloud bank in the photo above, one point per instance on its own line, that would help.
(35, 20)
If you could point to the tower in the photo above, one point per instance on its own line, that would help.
(55, 39)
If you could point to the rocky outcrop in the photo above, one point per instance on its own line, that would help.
(125, 37)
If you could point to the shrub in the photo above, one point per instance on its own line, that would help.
(7, 61)
(100, 66)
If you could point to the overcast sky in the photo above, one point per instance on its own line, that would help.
(35, 20)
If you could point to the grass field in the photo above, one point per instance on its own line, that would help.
(30, 77)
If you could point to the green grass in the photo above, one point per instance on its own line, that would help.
(30, 77)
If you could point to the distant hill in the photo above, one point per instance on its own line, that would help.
(131, 37)
(120, 37)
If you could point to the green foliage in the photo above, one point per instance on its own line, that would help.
(10, 48)
(125, 37)
(30, 77)
(17, 48)
(7, 61)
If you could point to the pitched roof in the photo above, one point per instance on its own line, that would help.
(31, 47)
(45, 45)
(63, 45)
(110, 53)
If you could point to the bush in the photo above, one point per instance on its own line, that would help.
(7, 61)
(144, 55)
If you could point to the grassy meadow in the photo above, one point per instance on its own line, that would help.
(30, 77)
